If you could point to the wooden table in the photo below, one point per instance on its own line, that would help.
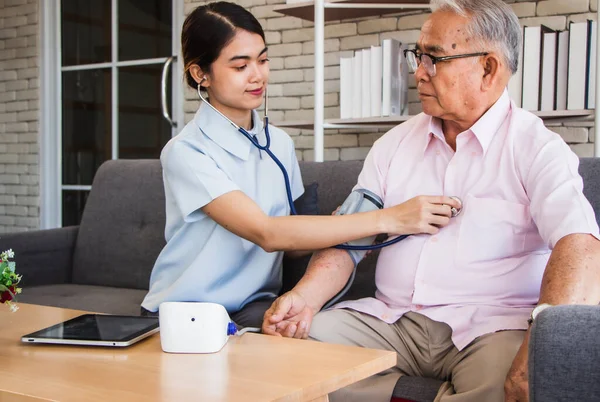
(251, 367)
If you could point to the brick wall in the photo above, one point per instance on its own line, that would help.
(19, 105)
(291, 49)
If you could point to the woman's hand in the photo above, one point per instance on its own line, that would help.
(422, 214)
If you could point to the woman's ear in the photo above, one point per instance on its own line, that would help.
(199, 76)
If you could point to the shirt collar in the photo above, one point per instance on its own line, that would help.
(220, 131)
(434, 130)
(488, 124)
(483, 129)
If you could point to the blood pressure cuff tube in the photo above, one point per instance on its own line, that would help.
(356, 255)
(360, 200)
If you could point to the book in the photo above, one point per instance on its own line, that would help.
(346, 87)
(590, 102)
(548, 71)
(532, 42)
(390, 105)
(376, 80)
(366, 83)
(357, 90)
(577, 69)
(562, 66)
(404, 74)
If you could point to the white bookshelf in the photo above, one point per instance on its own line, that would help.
(346, 9)
(555, 116)
(320, 11)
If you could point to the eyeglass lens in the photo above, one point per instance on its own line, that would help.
(413, 63)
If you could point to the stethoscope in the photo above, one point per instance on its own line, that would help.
(288, 187)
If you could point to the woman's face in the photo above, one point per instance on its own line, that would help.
(238, 78)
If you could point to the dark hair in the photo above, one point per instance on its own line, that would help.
(208, 29)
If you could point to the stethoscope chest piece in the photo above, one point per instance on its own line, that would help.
(456, 211)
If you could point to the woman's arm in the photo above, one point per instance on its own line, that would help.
(239, 214)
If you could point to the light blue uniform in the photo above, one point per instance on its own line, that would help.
(202, 261)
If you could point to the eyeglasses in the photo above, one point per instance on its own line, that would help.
(415, 59)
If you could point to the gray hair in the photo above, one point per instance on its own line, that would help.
(493, 23)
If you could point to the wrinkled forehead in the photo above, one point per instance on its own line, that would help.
(443, 33)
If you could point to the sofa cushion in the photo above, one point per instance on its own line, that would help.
(123, 224)
(98, 299)
(417, 389)
(564, 347)
(589, 169)
(335, 179)
(308, 202)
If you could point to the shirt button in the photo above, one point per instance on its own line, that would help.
(418, 307)
(434, 239)
(438, 153)
(473, 153)
(384, 317)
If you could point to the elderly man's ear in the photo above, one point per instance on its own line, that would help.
(493, 73)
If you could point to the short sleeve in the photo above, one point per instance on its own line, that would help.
(193, 178)
(555, 189)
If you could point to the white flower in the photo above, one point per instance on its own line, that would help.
(10, 253)
(13, 307)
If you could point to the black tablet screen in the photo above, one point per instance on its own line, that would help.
(98, 327)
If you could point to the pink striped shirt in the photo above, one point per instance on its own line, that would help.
(521, 193)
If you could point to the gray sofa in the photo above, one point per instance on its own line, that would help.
(104, 264)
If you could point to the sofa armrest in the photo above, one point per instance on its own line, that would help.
(564, 350)
(43, 257)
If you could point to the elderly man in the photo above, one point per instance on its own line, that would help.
(456, 305)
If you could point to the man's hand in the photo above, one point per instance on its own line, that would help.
(289, 316)
(516, 386)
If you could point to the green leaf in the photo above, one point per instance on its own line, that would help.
(3, 288)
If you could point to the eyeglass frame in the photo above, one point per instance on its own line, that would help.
(436, 59)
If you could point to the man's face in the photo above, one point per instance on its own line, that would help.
(455, 89)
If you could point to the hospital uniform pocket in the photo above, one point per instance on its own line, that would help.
(492, 229)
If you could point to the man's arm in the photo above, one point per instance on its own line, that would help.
(572, 276)
(327, 274)
(292, 313)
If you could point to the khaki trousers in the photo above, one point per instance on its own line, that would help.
(424, 348)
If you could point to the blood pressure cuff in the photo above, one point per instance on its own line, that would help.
(356, 255)
(360, 200)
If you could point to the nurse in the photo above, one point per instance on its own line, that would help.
(227, 214)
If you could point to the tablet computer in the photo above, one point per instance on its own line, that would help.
(96, 330)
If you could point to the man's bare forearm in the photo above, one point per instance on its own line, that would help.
(325, 276)
(572, 275)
